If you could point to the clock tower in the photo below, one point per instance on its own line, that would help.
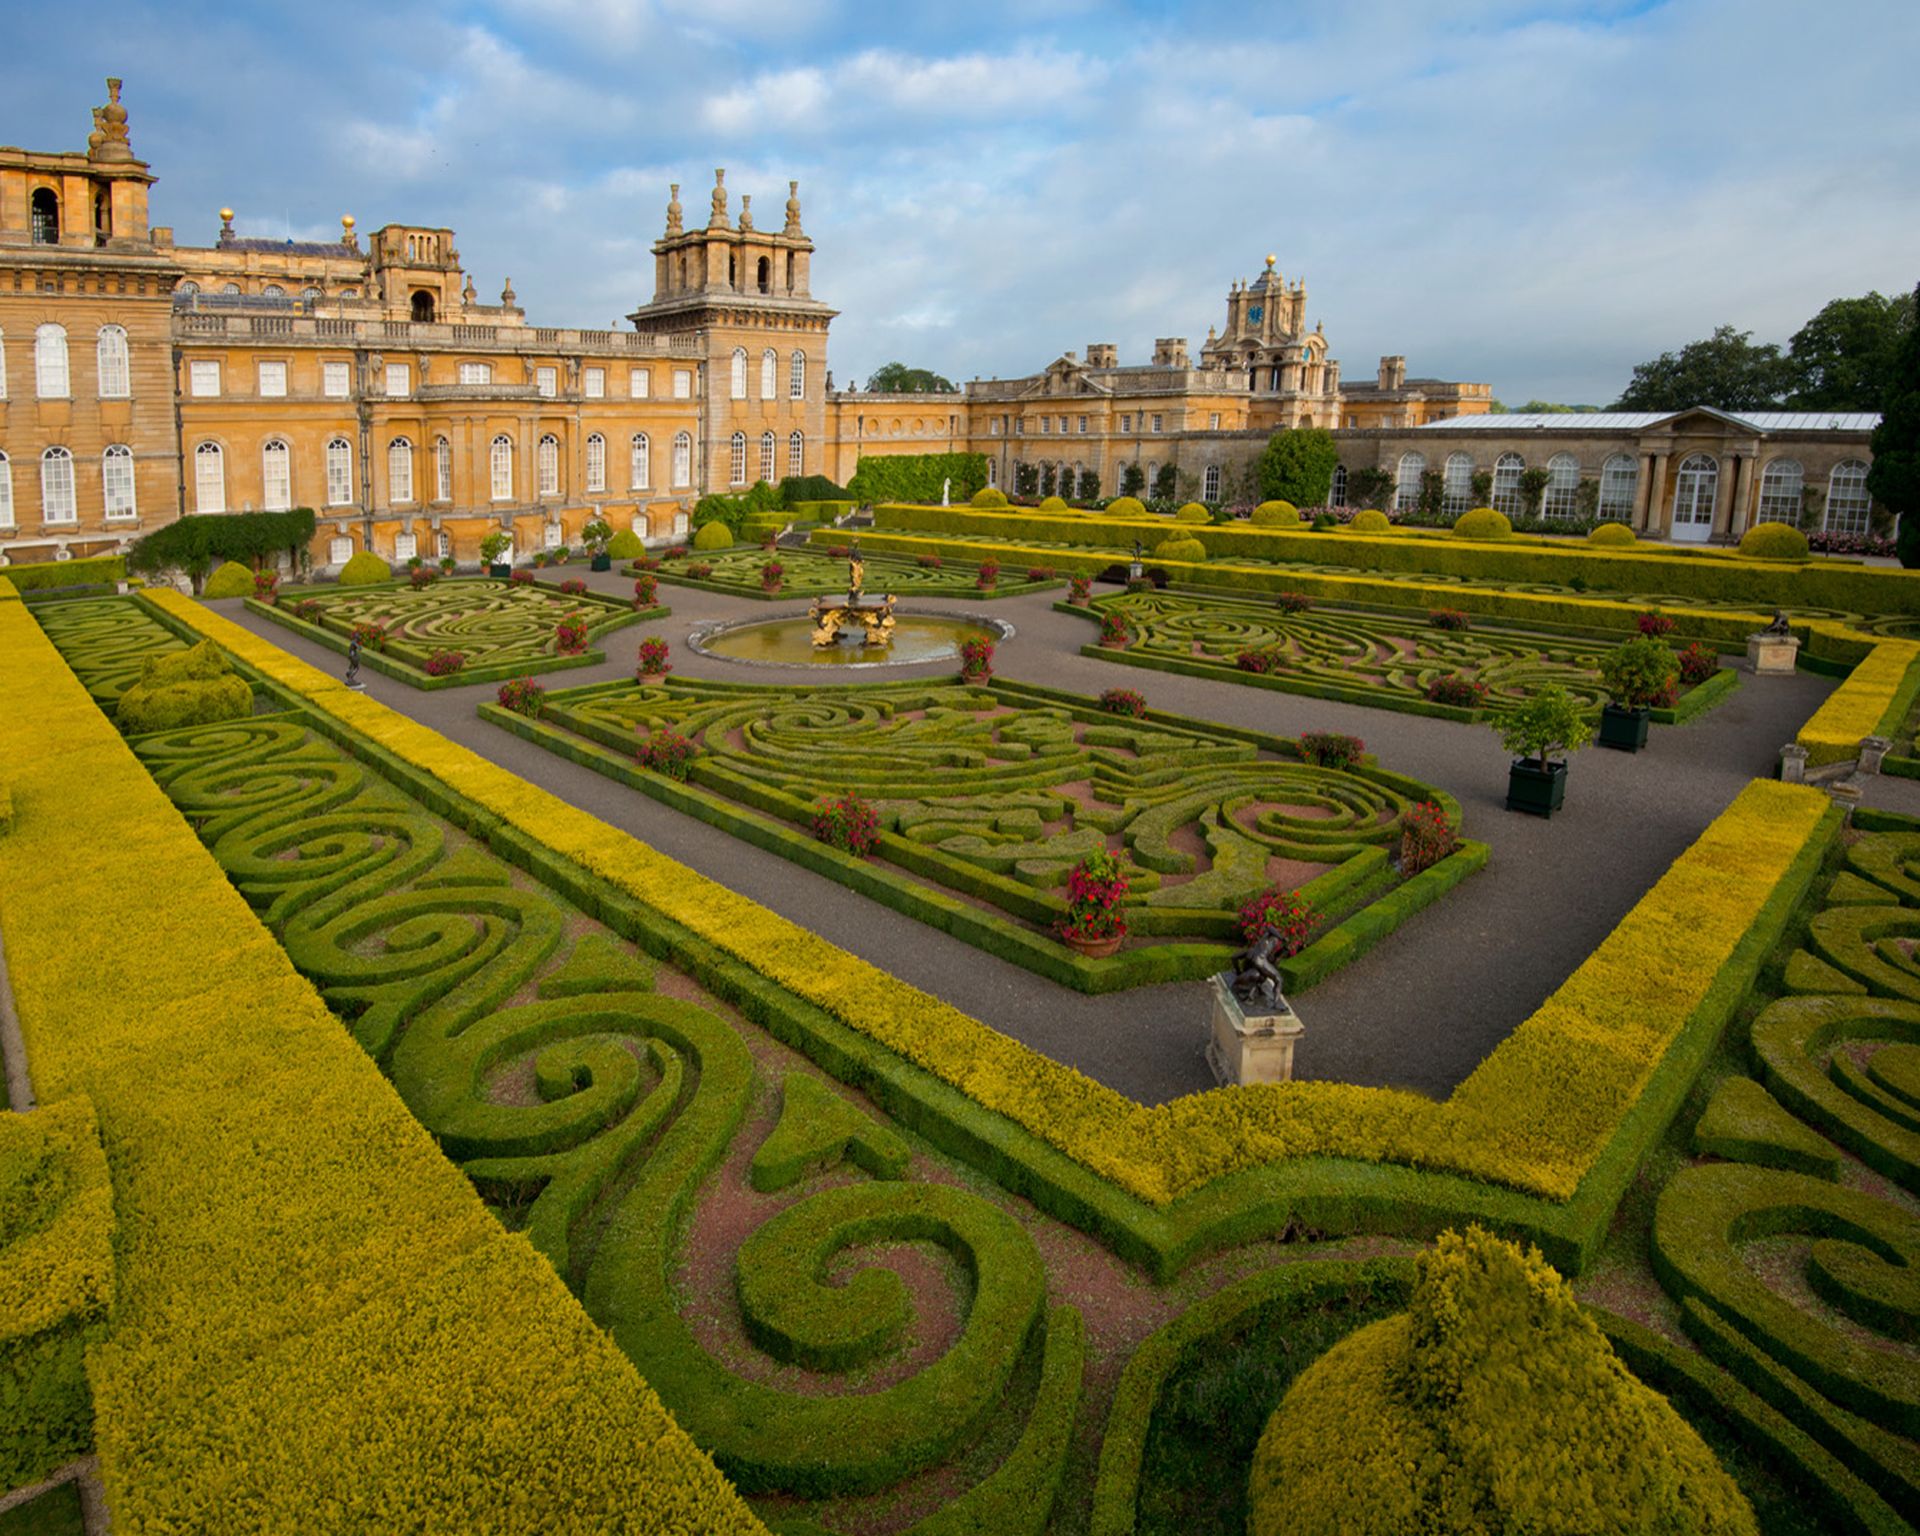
(1285, 366)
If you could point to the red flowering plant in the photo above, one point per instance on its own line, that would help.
(1096, 887)
(645, 590)
(838, 551)
(1426, 837)
(1655, 623)
(1287, 915)
(1079, 589)
(264, 583)
(1040, 573)
(574, 587)
(848, 823)
(310, 609)
(371, 635)
(929, 562)
(770, 576)
(1258, 662)
(524, 696)
(674, 552)
(1331, 749)
(1453, 688)
(570, 635)
(700, 570)
(653, 657)
(976, 660)
(1141, 583)
(666, 751)
(1114, 629)
(989, 574)
(523, 578)
(1449, 618)
(421, 577)
(652, 562)
(1123, 701)
(445, 663)
(1292, 602)
(1697, 664)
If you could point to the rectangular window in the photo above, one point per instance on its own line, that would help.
(1020, 427)
(596, 384)
(273, 380)
(476, 373)
(1063, 426)
(993, 427)
(547, 382)
(339, 550)
(336, 380)
(1156, 421)
(1213, 421)
(1126, 423)
(204, 380)
(399, 379)
(116, 473)
(1083, 424)
(405, 546)
(442, 470)
(276, 478)
(339, 473)
(639, 383)
(683, 383)
(1046, 426)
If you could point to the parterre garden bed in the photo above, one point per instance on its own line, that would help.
(815, 573)
(987, 796)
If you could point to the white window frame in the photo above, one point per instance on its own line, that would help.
(797, 376)
(1156, 421)
(400, 471)
(1210, 483)
(1046, 426)
(112, 363)
(1505, 496)
(546, 465)
(203, 378)
(737, 376)
(59, 502)
(682, 459)
(1563, 486)
(546, 382)
(6, 490)
(476, 373)
(399, 380)
(593, 383)
(769, 454)
(339, 549)
(442, 469)
(639, 461)
(796, 453)
(1406, 481)
(52, 377)
(270, 379)
(500, 467)
(737, 459)
(276, 478)
(117, 487)
(209, 477)
(596, 462)
(769, 374)
(1619, 488)
(405, 547)
(336, 380)
(1780, 492)
(639, 383)
(339, 472)
(1456, 485)
(683, 383)
(1847, 495)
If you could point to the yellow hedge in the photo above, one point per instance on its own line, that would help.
(1535, 1115)
(318, 1326)
(1864, 704)
(233, 579)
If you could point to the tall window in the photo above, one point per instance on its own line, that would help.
(596, 462)
(45, 216)
(339, 472)
(50, 362)
(993, 467)
(399, 379)
(797, 376)
(766, 456)
(116, 480)
(400, 470)
(682, 459)
(1849, 507)
(56, 486)
(683, 383)
(3, 365)
(209, 479)
(203, 380)
(639, 383)
(6, 491)
(1694, 489)
(276, 477)
(546, 382)
(273, 380)
(546, 464)
(1507, 470)
(336, 380)
(1563, 485)
(639, 467)
(594, 383)
(1780, 492)
(1458, 483)
(110, 358)
(796, 454)
(739, 382)
(500, 462)
(1336, 493)
(442, 469)
(1619, 484)
(737, 469)
(1406, 485)
(769, 374)
(1210, 483)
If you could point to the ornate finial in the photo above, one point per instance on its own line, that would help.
(718, 219)
(347, 237)
(467, 294)
(226, 225)
(1270, 260)
(506, 294)
(674, 211)
(109, 138)
(746, 210)
(793, 208)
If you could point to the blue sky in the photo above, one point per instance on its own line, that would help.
(1534, 194)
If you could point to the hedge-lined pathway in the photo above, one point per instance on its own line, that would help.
(1421, 1011)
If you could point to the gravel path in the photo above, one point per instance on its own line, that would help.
(1420, 1011)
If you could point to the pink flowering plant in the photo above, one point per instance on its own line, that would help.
(1123, 701)
(848, 823)
(1079, 588)
(445, 663)
(666, 751)
(524, 696)
(570, 635)
(1287, 915)
(976, 660)
(653, 657)
(1096, 887)
(1426, 837)
(574, 587)
(646, 589)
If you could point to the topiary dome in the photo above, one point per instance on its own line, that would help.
(1774, 541)
(1053, 504)
(1612, 535)
(1126, 506)
(626, 545)
(1276, 514)
(989, 496)
(1483, 523)
(232, 580)
(1193, 512)
(1493, 1405)
(1370, 520)
(1190, 550)
(713, 535)
(364, 569)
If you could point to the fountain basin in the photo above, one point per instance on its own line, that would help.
(918, 638)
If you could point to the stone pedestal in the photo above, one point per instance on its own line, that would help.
(1250, 1048)
(1872, 750)
(1793, 763)
(1772, 655)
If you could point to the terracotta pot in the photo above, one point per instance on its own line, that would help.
(1094, 949)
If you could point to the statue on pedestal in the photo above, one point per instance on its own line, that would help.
(353, 663)
(1256, 979)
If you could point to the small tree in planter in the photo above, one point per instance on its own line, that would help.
(1096, 887)
(976, 660)
(847, 823)
(594, 538)
(1079, 589)
(447, 565)
(570, 635)
(1639, 675)
(653, 657)
(646, 589)
(1542, 729)
(492, 547)
(1114, 630)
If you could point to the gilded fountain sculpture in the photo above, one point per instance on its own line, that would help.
(850, 620)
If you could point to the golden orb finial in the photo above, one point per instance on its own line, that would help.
(1270, 261)
(346, 221)
(226, 215)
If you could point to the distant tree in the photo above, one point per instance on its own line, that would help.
(1133, 479)
(1894, 479)
(1533, 485)
(1367, 486)
(1298, 466)
(1026, 479)
(1726, 370)
(899, 379)
(1165, 483)
(1089, 485)
(1550, 408)
(1046, 480)
(1843, 358)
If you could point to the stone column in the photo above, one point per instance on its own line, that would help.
(1722, 498)
(1642, 490)
(1739, 516)
(1657, 496)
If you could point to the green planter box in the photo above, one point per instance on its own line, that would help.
(1535, 790)
(504, 572)
(602, 563)
(1625, 730)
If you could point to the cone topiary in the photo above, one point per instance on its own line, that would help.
(713, 535)
(1053, 504)
(1370, 520)
(1276, 514)
(1190, 550)
(989, 496)
(625, 545)
(1483, 523)
(1612, 535)
(1193, 512)
(1126, 506)
(232, 580)
(1493, 1405)
(364, 569)
(1773, 541)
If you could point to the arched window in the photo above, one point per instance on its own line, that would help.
(766, 275)
(739, 390)
(1209, 482)
(187, 290)
(1563, 485)
(1780, 497)
(110, 359)
(769, 374)
(1507, 470)
(46, 216)
(56, 487)
(993, 467)
(339, 472)
(1406, 485)
(737, 464)
(596, 462)
(422, 307)
(546, 463)
(682, 459)
(766, 455)
(273, 291)
(640, 465)
(1849, 507)
(310, 296)
(797, 376)
(1619, 483)
(276, 476)
(500, 463)
(796, 454)
(1337, 491)
(442, 469)
(116, 480)
(1459, 483)
(399, 470)
(230, 288)
(6, 491)
(1693, 493)
(50, 362)
(209, 478)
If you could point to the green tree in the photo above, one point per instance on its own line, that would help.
(1133, 479)
(1298, 466)
(1550, 408)
(1894, 479)
(1844, 357)
(899, 379)
(1726, 370)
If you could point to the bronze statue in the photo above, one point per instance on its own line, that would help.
(1779, 626)
(353, 663)
(1256, 979)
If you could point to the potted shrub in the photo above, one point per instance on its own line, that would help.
(492, 547)
(446, 565)
(595, 538)
(976, 660)
(570, 635)
(653, 657)
(1093, 926)
(847, 823)
(1078, 590)
(666, 751)
(646, 590)
(770, 576)
(1286, 914)
(1115, 632)
(524, 696)
(1637, 674)
(1545, 724)
(1124, 701)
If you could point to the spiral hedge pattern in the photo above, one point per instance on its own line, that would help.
(588, 1108)
(107, 643)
